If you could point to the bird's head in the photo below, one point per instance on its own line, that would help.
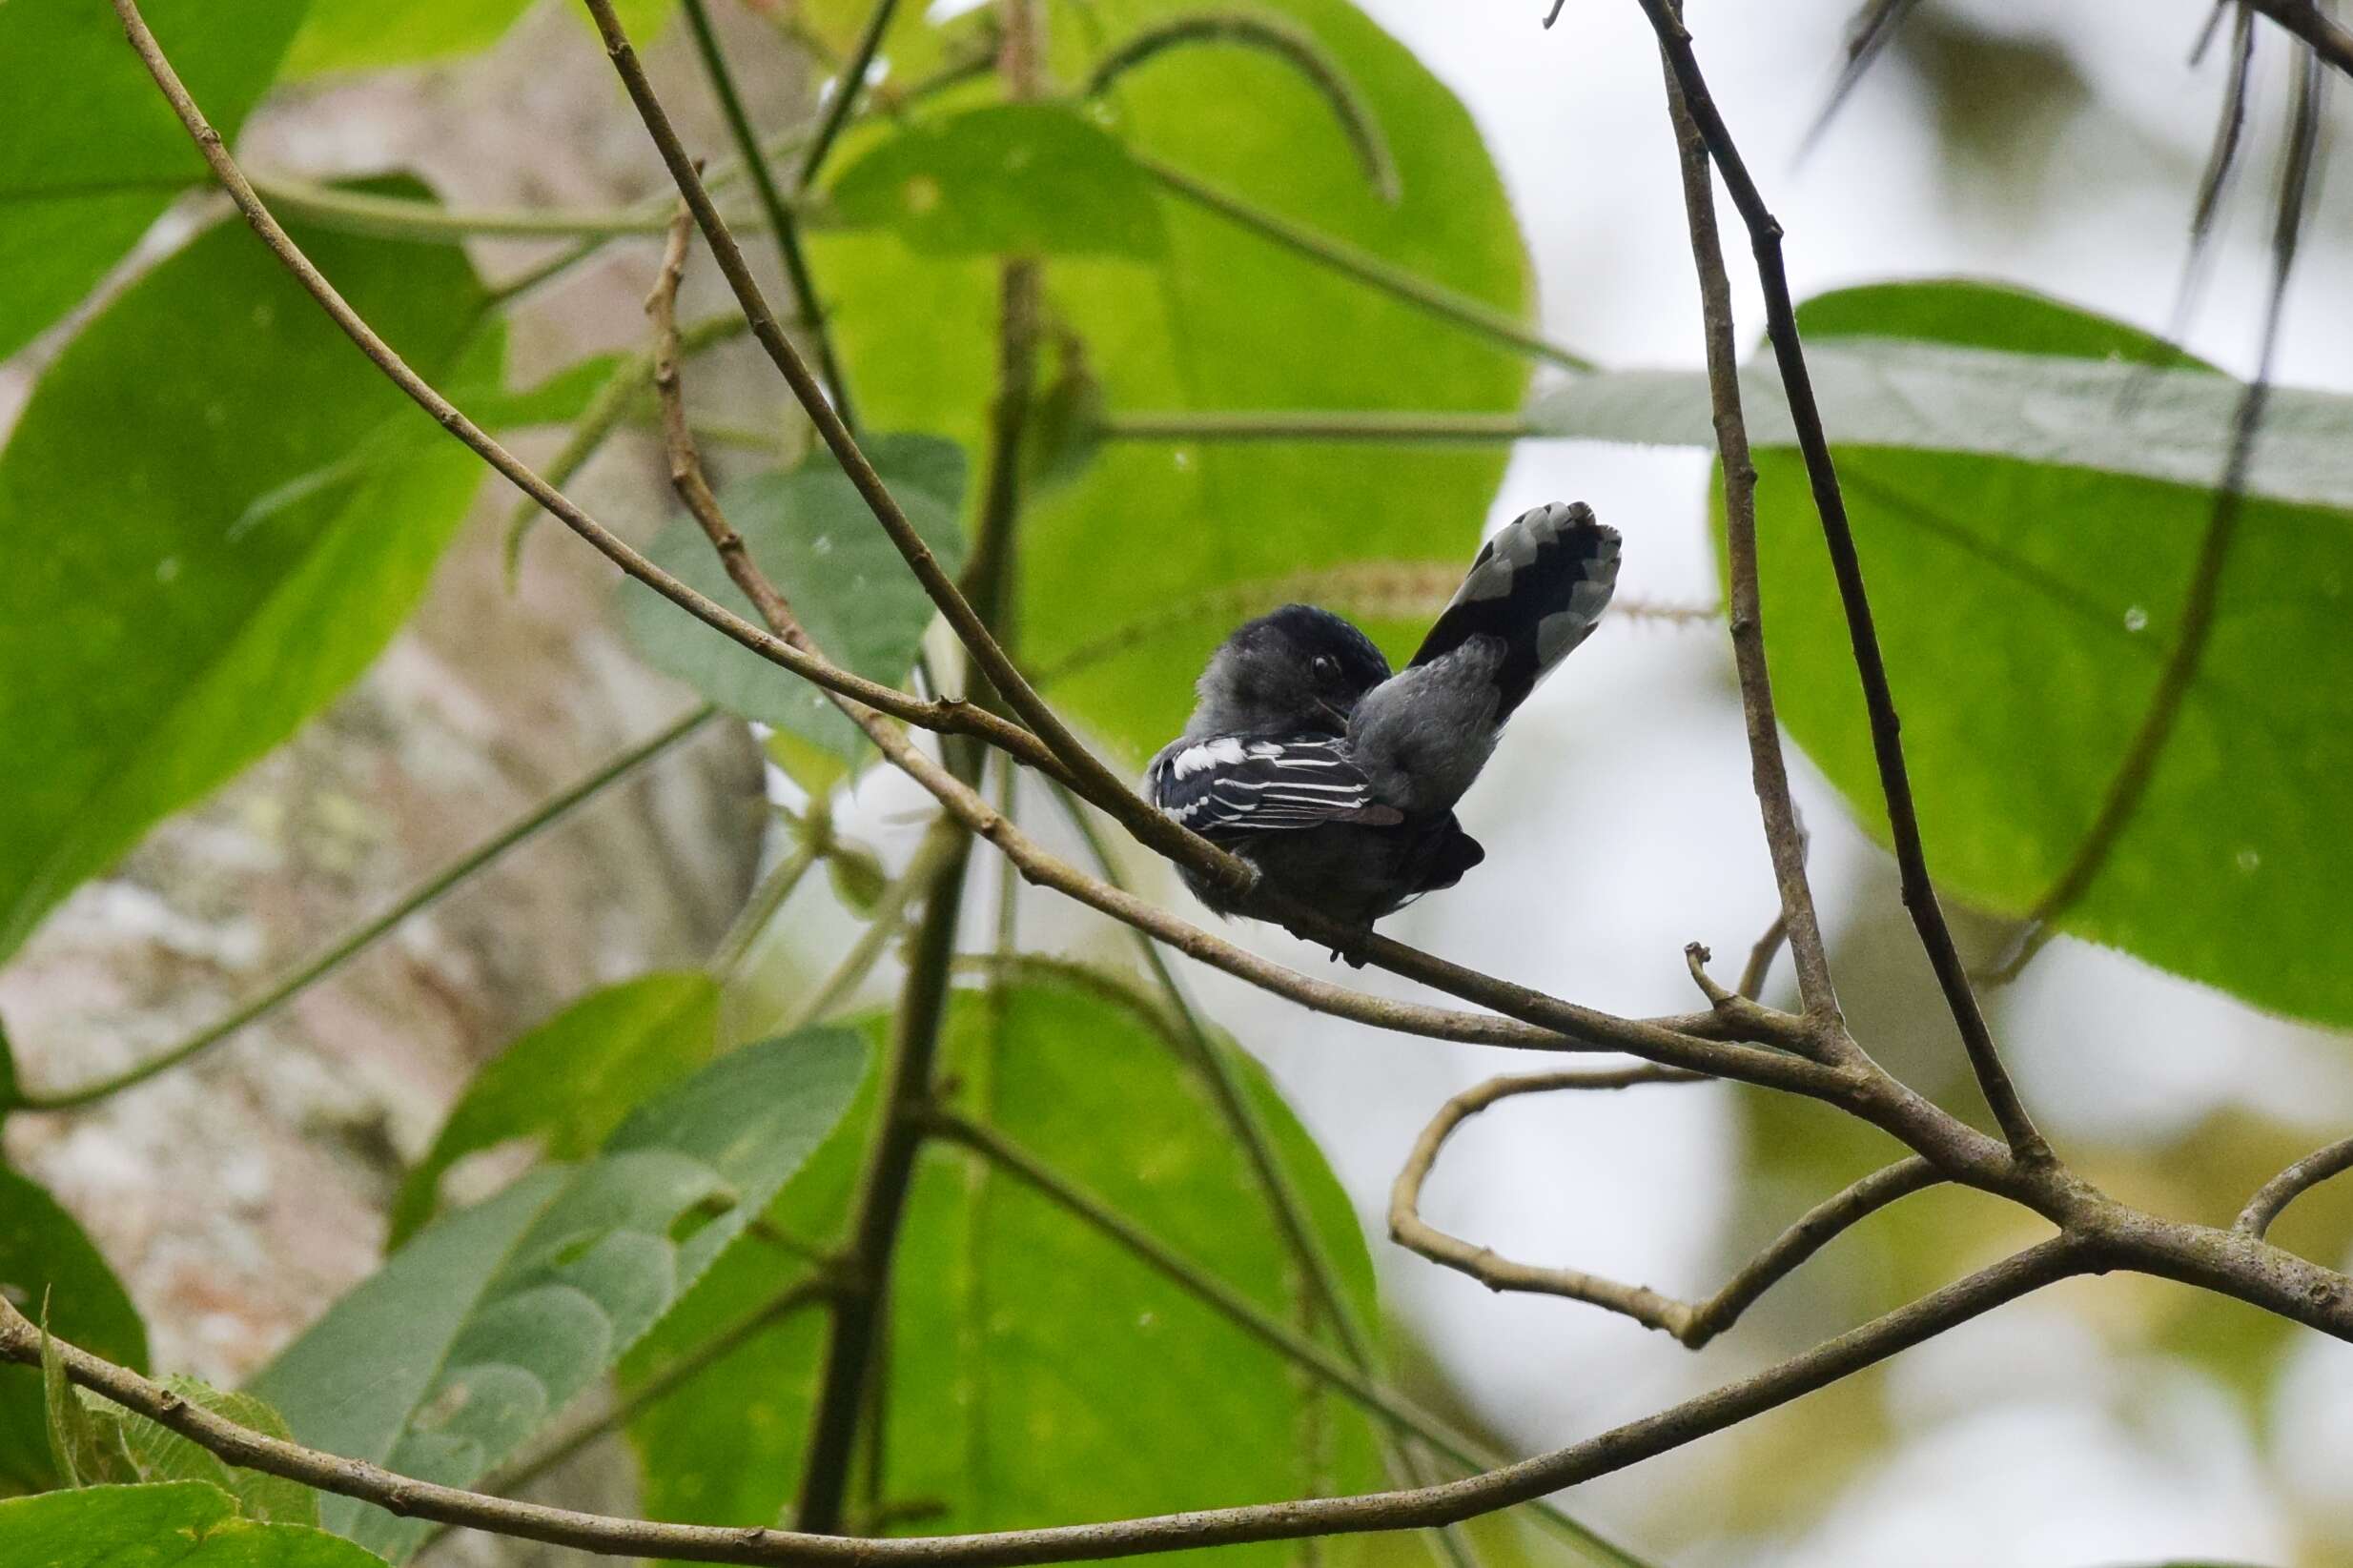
(1298, 668)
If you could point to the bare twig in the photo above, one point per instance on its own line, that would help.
(1768, 770)
(2291, 1184)
(848, 87)
(1919, 891)
(1693, 1323)
(1867, 35)
(1411, 1509)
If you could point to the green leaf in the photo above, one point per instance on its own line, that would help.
(2045, 399)
(193, 561)
(85, 1453)
(155, 1453)
(1228, 320)
(2057, 589)
(90, 152)
(1038, 1372)
(46, 1259)
(371, 34)
(483, 1328)
(568, 1083)
(1006, 178)
(814, 536)
(186, 1524)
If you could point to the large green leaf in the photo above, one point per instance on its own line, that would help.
(476, 1334)
(152, 1452)
(2060, 402)
(570, 1081)
(47, 1264)
(817, 542)
(1036, 178)
(1227, 320)
(213, 515)
(182, 1524)
(2027, 609)
(89, 153)
(1039, 1373)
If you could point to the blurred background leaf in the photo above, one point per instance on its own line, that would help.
(185, 1524)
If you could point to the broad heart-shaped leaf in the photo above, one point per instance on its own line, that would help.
(1226, 320)
(90, 152)
(570, 1081)
(1033, 178)
(180, 1525)
(1039, 1373)
(814, 536)
(47, 1263)
(2027, 610)
(213, 514)
(370, 34)
(476, 1334)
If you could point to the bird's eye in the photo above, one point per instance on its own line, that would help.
(1326, 666)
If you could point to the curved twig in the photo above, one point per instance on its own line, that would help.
(1294, 47)
(1693, 1323)
(2291, 1184)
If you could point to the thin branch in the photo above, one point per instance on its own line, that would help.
(411, 218)
(2129, 784)
(848, 87)
(883, 927)
(1448, 304)
(780, 218)
(1814, 1230)
(1410, 1509)
(1870, 33)
(860, 1321)
(2222, 162)
(737, 942)
(424, 894)
(2328, 39)
(1919, 891)
(2291, 1184)
(1086, 772)
(1761, 958)
(945, 715)
(1347, 1374)
(1785, 838)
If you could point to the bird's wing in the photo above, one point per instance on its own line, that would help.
(1263, 783)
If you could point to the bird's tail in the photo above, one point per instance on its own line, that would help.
(1539, 586)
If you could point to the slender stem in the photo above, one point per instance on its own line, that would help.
(523, 828)
(1768, 770)
(2130, 783)
(2293, 1183)
(1448, 304)
(1204, 1285)
(849, 87)
(752, 921)
(1379, 426)
(854, 1336)
(772, 203)
(882, 927)
(408, 217)
(2327, 38)
(1919, 891)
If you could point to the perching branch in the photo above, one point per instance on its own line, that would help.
(1813, 443)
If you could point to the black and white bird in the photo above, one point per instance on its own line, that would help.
(1338, 779)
